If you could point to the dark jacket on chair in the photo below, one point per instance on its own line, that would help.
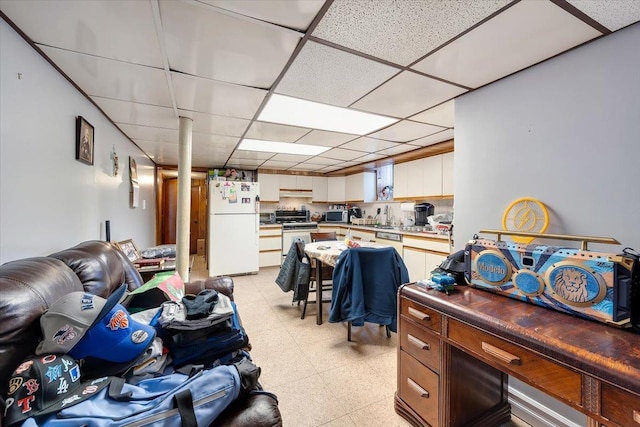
(295, 273)
(365, 286)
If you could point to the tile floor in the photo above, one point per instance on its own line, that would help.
(320, 378)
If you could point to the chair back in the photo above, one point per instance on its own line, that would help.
(323, 236)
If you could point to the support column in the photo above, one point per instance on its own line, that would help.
(183, 219)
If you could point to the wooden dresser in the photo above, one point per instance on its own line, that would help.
(457, 351)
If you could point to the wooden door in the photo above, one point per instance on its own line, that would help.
(198, 214)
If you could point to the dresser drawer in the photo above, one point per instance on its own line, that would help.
(525, 365)
(422, 315)
(420, 343)
(419, 388)
(620, 406)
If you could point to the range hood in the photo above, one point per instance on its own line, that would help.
(296, 193)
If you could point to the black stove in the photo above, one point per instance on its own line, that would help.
(295, 220)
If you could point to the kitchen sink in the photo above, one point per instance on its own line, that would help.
(383, 227)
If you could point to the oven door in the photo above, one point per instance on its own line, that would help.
(289, 235)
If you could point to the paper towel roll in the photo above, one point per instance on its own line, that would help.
(407, 207)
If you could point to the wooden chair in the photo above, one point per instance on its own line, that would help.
(327, 271)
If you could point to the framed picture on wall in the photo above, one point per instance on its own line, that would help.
(84, 141)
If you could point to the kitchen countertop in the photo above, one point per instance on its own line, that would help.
(424, 234)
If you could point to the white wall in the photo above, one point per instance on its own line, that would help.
(48, 200)
(566, 132)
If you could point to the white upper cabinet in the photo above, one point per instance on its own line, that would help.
(269, 187)
(360, 187)
(400, 180)
(319, 190)
(447, 174)
(432, 178)
(288, 182)
(304, 182)
(336, 189)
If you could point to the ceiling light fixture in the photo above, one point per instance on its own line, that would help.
(299, 112)
(281, 147)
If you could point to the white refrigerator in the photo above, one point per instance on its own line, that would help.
(234, 227)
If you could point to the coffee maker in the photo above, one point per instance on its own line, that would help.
(422, 211)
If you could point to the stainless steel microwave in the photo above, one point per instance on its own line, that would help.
(337, 216)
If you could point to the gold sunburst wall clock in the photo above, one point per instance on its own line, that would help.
(525, 214)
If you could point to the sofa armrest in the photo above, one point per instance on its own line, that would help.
(223, 284)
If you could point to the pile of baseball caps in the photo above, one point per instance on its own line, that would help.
(97, 332)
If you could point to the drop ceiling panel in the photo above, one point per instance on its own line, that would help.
(275, 164)
(325, 138)
(370, 157)
(138, 114)
(160, 152)
(219, 125)
(244, 163)
(274, 132)
(113, 79)
(121, 30)
(341, 154)
(214, 141)
(612, 14)
(323, 161)
(150, 133)
(203, 42)
(406, 130)
(214, 97)
(441, 115)
(369, 145)
(290, 157)
(523, 35)
(250, 155)
(296, 14)
(407, 94)
(445, 135)
(399, 148)
(331, 76)
(401, 32)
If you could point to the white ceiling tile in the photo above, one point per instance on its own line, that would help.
(441, 115)
(138, 114)
(251, 155)
(203, 42)
(121, 30)
(399, 148)
(244, 163)
(214, 97)
(307, 167)
(274, 164)
(523, 35)
(112, 79)
(331, 76)
(274, 132)
(219, 125)
(160, 152)
(612, 14)
(150, 133)
(406, 130)
(331, 168)
(325, 138)
(370, 145)
(445, 135)
(406, 94)
(296, 14)
(400, 31)
(370, 157)
(341, 154)
(317, 160)
(214, 141)
(290, 157)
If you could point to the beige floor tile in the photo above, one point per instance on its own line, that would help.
(378, 414)
(356, 385)
(307, 403)
(340, 422)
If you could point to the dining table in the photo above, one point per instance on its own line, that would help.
(327, 252)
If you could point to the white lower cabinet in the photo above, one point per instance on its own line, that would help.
(270, 246)
(422, 255)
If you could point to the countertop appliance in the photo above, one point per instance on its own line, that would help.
(295, 224)
(354, 212)
(422, 211)
(234, 228)
(337, 216)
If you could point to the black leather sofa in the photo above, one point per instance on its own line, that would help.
(29, 286)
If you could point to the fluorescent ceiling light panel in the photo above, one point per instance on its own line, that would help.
(281, 147)
(308, 114)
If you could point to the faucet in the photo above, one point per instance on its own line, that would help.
(389, 211)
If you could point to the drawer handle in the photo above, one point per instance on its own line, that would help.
(636, 416)
(418, 343)
(422, 392)
(418, 314)
(501, 354)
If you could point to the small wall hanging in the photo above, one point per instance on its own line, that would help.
(84, 141)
